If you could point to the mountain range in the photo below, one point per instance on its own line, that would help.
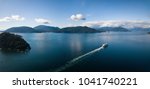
(77, 29)
(43, 28)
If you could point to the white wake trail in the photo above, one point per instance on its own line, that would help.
(75, 60)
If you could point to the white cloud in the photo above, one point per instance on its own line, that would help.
(12, 18)
(17, 18)
(126, 24)
(2, 28)
(77, 17)
(42, 21)
(5, 19)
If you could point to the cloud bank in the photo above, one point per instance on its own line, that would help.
(126, 24)
(12, 18)
(77, 17)
(42, 21)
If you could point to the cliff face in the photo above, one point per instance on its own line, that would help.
(12, 42)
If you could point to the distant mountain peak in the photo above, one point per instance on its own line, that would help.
(45, 28)
(21, 29)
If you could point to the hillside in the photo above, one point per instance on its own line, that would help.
(44, 28)
(78, 29)
(22, 29)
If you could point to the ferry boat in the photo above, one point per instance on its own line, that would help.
(104, 45)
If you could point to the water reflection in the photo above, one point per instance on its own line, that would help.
(75, 44)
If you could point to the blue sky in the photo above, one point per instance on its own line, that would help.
(72, 12)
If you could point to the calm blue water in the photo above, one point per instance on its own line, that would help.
(127, 51)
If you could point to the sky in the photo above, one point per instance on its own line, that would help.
(64, 13)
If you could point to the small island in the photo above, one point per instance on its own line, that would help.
(148, 32)
(13, 43)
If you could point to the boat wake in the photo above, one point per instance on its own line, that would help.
(77, 59)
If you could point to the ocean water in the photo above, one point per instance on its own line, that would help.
(126, 52)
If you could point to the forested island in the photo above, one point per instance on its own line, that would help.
(13, 43)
